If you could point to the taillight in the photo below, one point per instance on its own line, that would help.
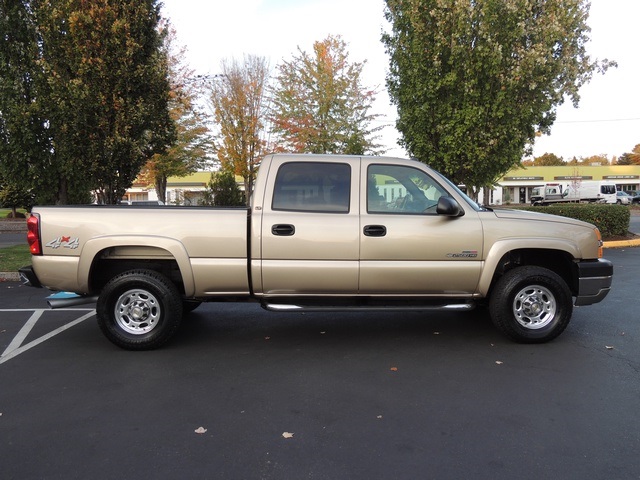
(33, 234)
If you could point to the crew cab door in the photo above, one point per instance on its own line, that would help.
(309, 236)
(405, 246)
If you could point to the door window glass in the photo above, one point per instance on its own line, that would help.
(313, 187)
(400, 189)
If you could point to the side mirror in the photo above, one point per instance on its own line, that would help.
(448, 207)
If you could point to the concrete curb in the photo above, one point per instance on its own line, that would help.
(9, 277)
(622, 244)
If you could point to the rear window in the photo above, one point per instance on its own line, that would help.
(313, 187)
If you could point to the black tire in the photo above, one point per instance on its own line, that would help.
(531, 304)
(189, 306)
(139, 310)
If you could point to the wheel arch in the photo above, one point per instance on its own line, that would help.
(105, 257)
(558, 258)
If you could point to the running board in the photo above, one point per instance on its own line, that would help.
(454, 307)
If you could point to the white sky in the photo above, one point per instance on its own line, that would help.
(606, 122)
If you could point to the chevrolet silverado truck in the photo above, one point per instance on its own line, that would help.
(321, 233)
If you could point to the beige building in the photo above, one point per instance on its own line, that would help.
(515, 187)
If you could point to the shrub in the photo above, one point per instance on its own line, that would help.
(611, 220)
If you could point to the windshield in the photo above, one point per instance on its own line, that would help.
(476, 206)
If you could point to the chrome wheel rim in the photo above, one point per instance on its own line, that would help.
(137, 312)
(534, 307)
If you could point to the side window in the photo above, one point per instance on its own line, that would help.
(313, 187)
(400, 189)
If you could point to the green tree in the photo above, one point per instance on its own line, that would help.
(320, 105)
(475, 81)
(107, 90)
(222, 190)
(633, 156)
(239, 104)
(625, 159)
(27, 158)
(548, 160)
(189, 152)
(15, 197)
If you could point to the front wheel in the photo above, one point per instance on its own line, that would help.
(531, 304)
(139, 310)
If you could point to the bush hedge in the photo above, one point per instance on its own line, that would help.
(611, 220)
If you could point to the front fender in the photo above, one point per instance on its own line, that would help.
(173, 247)
(500, 248)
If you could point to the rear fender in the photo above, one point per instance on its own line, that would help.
(148, 247)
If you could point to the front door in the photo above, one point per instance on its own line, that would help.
(405, 246)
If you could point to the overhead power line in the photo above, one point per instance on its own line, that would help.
(603, 120)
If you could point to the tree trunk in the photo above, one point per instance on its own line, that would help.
(63, 192)
(161, 187)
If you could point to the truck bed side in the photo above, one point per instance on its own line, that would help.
(203, 247)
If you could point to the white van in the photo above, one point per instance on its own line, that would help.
(600, 191)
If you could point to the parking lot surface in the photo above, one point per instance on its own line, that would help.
(321, 396)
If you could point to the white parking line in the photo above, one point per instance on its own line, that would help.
(14, 349)
(22, 334)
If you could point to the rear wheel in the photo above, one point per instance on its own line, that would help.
(139, 310)
(531, 304)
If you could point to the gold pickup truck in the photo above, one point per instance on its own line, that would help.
(322, 233)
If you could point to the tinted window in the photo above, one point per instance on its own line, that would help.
(313, 187)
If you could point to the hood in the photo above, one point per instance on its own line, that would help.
(540, 217)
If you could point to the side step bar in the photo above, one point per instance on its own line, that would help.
(453, 307)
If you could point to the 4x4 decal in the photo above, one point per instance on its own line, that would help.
(64, 242)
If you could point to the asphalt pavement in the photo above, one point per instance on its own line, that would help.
(241, 393)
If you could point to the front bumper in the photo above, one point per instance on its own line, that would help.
(594, 281)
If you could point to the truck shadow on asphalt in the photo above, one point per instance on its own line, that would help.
(316, 329)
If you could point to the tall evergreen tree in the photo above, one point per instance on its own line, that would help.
(92, 85)
(27, 157)
(475, 80)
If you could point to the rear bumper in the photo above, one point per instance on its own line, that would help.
(29, 277)
(594, 281)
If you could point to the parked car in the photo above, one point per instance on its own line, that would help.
(635, 196)
(623, 198)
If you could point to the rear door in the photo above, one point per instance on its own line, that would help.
(310, 229)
